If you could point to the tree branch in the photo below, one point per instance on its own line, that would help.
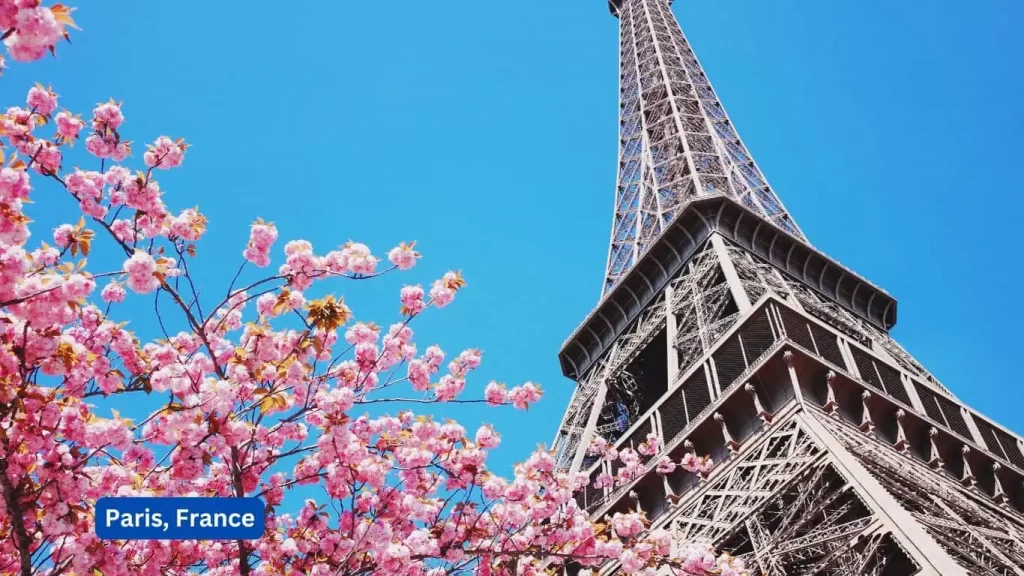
(17, 517)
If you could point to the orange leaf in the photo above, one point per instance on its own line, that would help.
(273, 402)
(63, 14)
(328, 313)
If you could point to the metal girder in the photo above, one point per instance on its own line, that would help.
(786, 507)
(746, 485)
(701, 302)
(982, 538)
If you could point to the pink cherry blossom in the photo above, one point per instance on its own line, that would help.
(448, 388)
(487, 438)
(665, 465)
(107, 146)
(125, 231)
(165, 153)
(68, 126)
(496, 394)
(466, 361)
(434, 356)
(358, 259)
(419, 375)
(107, 115)
(403, 256)
(706, 465)
(630, 562)
(443, 290)
(189, 225)
(113, 292)
(261, 239)
(362, 333)
(141, 271)
(598, 445)
(256, 399)
(651, 445)
(47, 156)
(522, 396)
(30, 30)
(14, 184)
(690, 462)
(412, 300)
(441, 295)
(697, 559)
(85, 184)
(62, 235)
(604, 480)
(729, 566)
(42, 100)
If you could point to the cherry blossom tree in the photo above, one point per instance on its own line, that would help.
(262, 390)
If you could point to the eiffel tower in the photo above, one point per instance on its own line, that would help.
(723, 331)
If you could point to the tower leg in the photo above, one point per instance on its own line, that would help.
(588, 432)
(739, 294)
(926, 551)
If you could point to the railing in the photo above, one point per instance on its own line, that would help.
(880, 375)
(746, 347)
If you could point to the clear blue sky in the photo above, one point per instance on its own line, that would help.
(486, 130)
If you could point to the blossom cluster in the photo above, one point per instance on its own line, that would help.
(30, 29)
(633, 463)
(262, 390)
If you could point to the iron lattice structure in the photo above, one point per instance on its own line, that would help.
(676, 142)
(724, 332)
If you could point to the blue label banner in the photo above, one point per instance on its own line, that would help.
(180, 518)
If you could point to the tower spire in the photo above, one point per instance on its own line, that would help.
(676, 143)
